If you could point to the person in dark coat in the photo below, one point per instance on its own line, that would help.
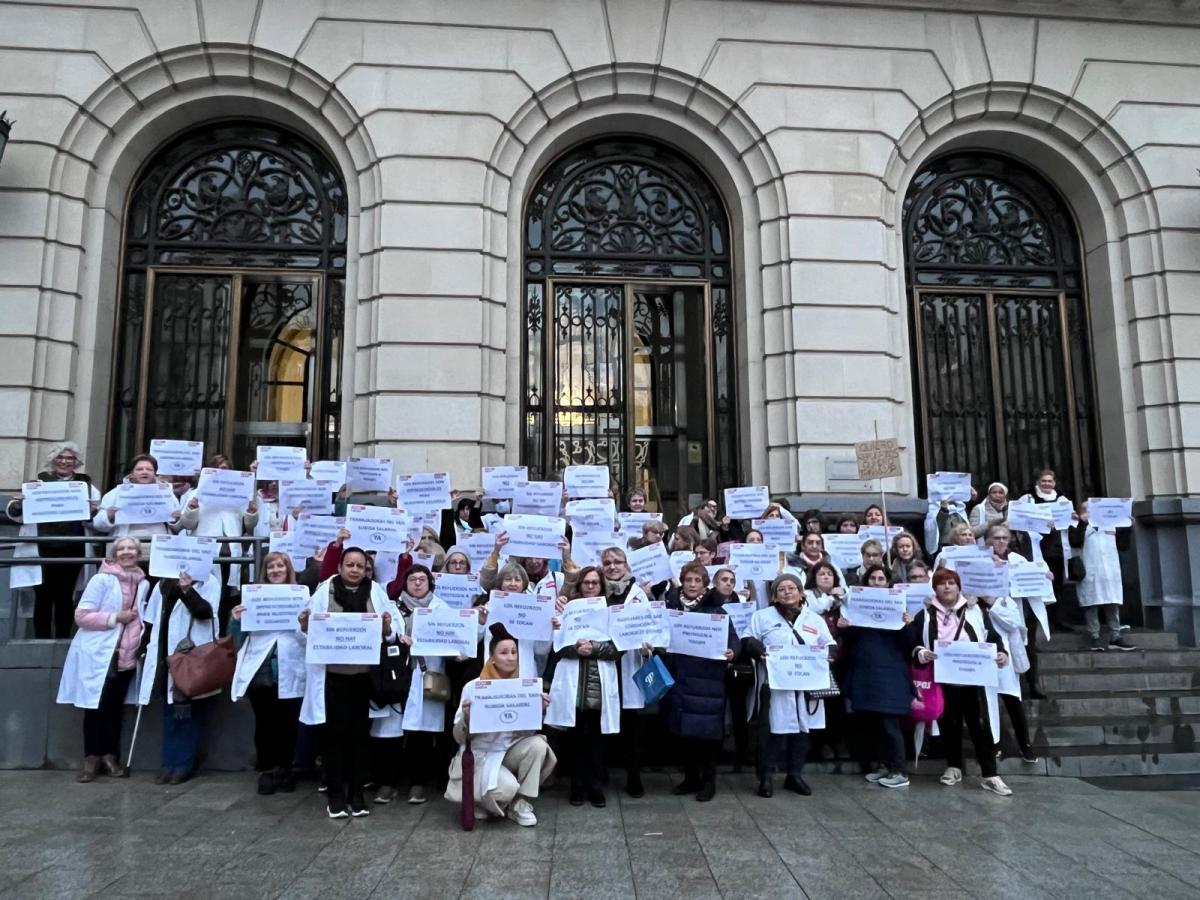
(694, 709)
(878, 689)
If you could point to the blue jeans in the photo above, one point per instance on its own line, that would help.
(180, 736)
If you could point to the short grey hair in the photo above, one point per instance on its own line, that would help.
(58, 448)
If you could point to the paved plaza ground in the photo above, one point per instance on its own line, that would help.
(214, 837)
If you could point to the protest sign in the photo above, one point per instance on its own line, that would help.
(585, 619)
(631, 625)
(344, 639)
(58, 501)
(445, 631)
(316, 532)
(178, 457)
(878, 458)
(1034, 518)
(798, 667)
(501, 481)
(276, 463)
(705, 635)
(1110, 512)
(757, 562)
(273, 607)
(285, 542)
(875, 607)
(506, 704)
(586, 481)
(740, 614)
(144, 504)
(333, 471)
(536, 536)
(650, 564)
(377, 528)
(423, 492)
(225, 489)
(171, 554)
(779, 533)
(537, 498)
(457, 590)
(953, 486)
(746, 502)
(1029, 579)
(526, 616)
(845, 550)
(367, 474)
(309, 495)
(982, 577)
(966, 662)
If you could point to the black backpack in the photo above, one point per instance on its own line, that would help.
(391, 679)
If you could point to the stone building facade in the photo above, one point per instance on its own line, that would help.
(856, 214)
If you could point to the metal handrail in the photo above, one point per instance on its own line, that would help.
(256, 540)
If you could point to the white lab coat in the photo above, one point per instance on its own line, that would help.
(31, 576)
(631, 661)
(201, 632)
(312, 710)
(564, 693)
(974, 629)
(421, 714)
(222, 522)
(1009, 623)
(489, 749)
(91, 651)
(1101, 583)
(102, 525)
(290, 659)
(789, 709)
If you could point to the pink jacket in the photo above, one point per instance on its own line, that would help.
(101, 620)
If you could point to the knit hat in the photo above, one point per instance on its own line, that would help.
(500, 633)
(997, 484)
(786, 576)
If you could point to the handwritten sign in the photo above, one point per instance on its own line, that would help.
(501, 481)
(877, 459)
(171, 554)
(273, 607)
(444, 631)
(58, 501)
(344, 639)
(506, 704)
(526, 616)
(364, 473)
(798, 667)
(225, 489)
(705, 635)
(178, 457)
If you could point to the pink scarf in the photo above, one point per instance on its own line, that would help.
(129, 579)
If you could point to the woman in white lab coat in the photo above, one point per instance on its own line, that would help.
(102, 659)
(1101, 590)
(270, 671)
(177, 609)
(222, 522)
(339, 696)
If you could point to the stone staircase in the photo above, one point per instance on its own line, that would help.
(1112, 713)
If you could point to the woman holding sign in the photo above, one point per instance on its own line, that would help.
(143, 470)
(948, 618)
(785, 717)
(510, 766)
(338, 694)
(270, 671)
(102, 658)
(179, 609)
(1101, 589)
(694, 709)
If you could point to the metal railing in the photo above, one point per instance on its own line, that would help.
(11, 617)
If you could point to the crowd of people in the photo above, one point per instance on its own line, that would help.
(404, 723)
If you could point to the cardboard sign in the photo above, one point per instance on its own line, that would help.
(877, 459)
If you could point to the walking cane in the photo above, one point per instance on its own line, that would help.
(136, 722)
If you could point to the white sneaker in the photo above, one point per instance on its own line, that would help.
(521, 812)
(877, 776)
(416, 795)
(895, 780)
(996, 786)
(951, 776)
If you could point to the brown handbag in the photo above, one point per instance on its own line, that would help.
(200, 670)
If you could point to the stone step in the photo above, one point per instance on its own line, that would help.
(1147, 640)
(1179, 732)
(1132, 659)
(1096, 762)
(1100, 681)
(1065, 708)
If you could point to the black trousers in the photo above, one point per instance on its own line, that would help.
(425, 758)
(963, 707)
(347, 727)
(102, 726)
(587, 752)
(1033, 628)
(276, 722)
(387, 760)
(881, 741)
(737, 689)
(54, 598)
(1016, 715)
(777, 751)
(631, 741)
(699, 759)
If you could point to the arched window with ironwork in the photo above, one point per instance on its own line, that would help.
(231, 312)
(628, 343)
(1000, 337)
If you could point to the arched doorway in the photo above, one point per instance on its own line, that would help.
(628, 343)
(231, 312)
(999, 326)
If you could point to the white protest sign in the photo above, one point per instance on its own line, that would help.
(385, 567)
(650, 564)
(343, 639)
(798, 667)
(1029, 579)
(1110, 512)
(585, 619)
(506, 704)
(445, 631)
(740, 614)
(633, 624)
(536, 536)
(875, 607)
(588, 547)
(423, 559)
(478, 546)
(457, 590)
(501, 481)
(885, 534)
(679, 559)
(315, 532)
(171, 554)
(537, 498)
(276, 463)
(877, 459)
(285, 542)
(586, 481)
(178, 457)
(705, 635)
(525, 616)
(845, 550)
(594, 515)
(747, 502)
(780, 533)
(1062, 514)
(966, 662)
(952, 554)
(311, 496)
(144, 504)
(364, 473)
(915, 595)
(377, 528)
(423, 492)
(630, 524)
(273, 607)
(954, 486)
(755, 562)
(331, 470)
(982, 577)
(1033, 518)
(56, 501)
(225, 489)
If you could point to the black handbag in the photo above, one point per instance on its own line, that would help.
(392, 678)
(1076, 571)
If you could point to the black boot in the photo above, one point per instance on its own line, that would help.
(765, 787)
(633, 785)
(797, 785)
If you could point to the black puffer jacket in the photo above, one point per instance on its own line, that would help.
(695, 706)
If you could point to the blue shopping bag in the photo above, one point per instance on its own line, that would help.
(653, 679)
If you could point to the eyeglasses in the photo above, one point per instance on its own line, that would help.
(591, 582)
